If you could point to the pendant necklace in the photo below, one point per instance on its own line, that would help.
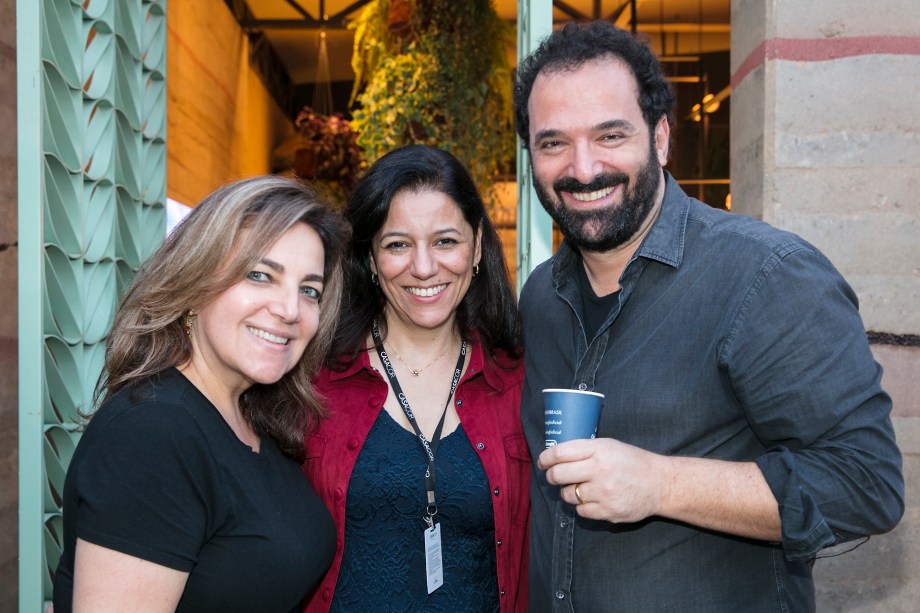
(415, 371)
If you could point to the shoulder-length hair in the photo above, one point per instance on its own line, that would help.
(205, 254)
(489, 308)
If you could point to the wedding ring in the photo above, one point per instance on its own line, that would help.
(578, 494)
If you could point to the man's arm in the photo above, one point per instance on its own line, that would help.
(799, 364)
(622, 483)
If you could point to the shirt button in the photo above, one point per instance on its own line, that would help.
(498, 542)
(459, 403)
(339, 493)
(582, 386)
(480, 446)
(353, 443)
(560, 595)
(495, 491)
(563, 524)
(502, 593)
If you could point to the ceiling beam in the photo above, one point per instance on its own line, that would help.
(303, 12)
(308, 22)
(570, 10)
(617, 12)
(264, 61)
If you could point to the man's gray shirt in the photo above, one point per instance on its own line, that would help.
(730, 340)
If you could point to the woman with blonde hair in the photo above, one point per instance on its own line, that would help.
(185, 491)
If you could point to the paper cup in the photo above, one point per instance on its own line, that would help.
(570, 414)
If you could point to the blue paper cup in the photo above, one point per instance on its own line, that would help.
(570, 414)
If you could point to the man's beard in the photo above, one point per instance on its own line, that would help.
(607, 228)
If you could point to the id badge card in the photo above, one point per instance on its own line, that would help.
(434, 572)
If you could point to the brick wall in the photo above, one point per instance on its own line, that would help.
(9, 407)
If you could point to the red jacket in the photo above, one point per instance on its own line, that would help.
(488, 403)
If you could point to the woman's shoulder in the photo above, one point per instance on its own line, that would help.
(160, 432)
(165, 405)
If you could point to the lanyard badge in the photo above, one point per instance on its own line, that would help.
(433, 566)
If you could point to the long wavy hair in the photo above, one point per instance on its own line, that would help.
(205, 254)
(575, 44)
(489, 308)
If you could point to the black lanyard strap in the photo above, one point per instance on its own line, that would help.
(430, 447)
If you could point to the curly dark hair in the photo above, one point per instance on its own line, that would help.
(578, 43)
(489, 308)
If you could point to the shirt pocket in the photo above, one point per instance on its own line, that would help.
(516, 446)
(314, 445)
(518, 477)
(313, 464)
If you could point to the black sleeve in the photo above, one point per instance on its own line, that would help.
(144, 485)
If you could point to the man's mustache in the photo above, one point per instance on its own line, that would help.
(571, 184)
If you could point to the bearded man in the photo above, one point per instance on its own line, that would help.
(744, 428)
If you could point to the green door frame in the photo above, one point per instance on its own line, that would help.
(31, 284)
(534, 226)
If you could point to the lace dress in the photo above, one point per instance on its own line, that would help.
(383, 563)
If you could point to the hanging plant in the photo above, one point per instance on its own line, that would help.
(328, 156)
(435, 72)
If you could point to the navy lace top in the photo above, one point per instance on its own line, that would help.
(383, 563)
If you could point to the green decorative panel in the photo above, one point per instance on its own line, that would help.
(92, 72)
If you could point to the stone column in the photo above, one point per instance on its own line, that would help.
(825, 142)
(826, 138)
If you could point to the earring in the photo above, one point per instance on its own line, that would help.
(475, 269)
(190, 316)
(373, 277)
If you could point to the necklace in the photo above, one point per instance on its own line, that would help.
(415, 371)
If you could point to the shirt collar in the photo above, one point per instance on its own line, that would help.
(476, 366)
(665, 239)
(362, 362)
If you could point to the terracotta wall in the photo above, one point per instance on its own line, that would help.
(9, 407)
(222, 124)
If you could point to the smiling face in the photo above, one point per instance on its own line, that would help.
(256, 330)
(596, 165)
(424, 256)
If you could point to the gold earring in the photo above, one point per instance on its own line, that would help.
(190, 316)
(373, 277)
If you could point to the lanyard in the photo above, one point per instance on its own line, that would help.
(430, 448)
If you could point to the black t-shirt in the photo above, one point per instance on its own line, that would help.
(595, 309)
(159, 475)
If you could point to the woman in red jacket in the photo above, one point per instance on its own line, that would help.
(421, 458)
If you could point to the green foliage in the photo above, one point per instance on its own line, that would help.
(435, 72)
(329, 157)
